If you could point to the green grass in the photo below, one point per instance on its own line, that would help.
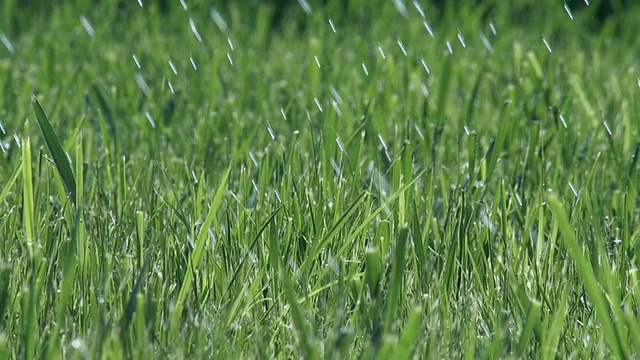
(259, 191)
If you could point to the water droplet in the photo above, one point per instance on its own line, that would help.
(333, 28)
(275, 191)
(340, 144)
(564, 123)
(193, 63)
(184, 5)
(255, 162)
(568, 10)
(317, 103)
(217, 18)
(142, 83)
(271, 133)
(140, 3)
(317, 62)
(150, 119)
(449, 47)
(135, 59)
(336, 168)
(7, 43)
(486, 43)
(461, 38)
(401, 8)
(364, 67)
(381, 52)
(426, 26)
(87, 26)
(425, 91)
(384, 145)
(417, 6)
(415, 126)
(171, 87)
(546, 43)
(335, 94)
(305, 6)
(335, 106)
(284, 116)
(401, 45)
(424, 64)
(229, 58)
(573, 189)
(586, 2)
(194, 30)
(493, 28)
(230, 44)
(173, 67)
(606, 126)
(76, 343)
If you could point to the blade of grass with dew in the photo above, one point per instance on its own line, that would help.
(55, 148)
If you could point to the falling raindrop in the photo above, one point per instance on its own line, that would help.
(317, 103)
(135, 59)
(381, 52)
(255, 162)
(546, 43)
(415, 126)
(364, 67)
(193, 63)
(606, 126)
(335, 94)
(424, 64)
(230, 44)
(586, 2)
(173, 67)
(284, 116)
(486, 43)
(142, 84)
(229, 58)
(417, 6)
(573, 189)
(449, 47)
(336, 168)
(275, 191)
(305, 6)
(564, 123)
(401, 8)
(384, 145)
(401, 45)
(150, 119)
(271, 133)
(194, 30)
(87, 26)
(425, 91)
(6, 43)
(493, 29)
(461, 38)
(426, 26)
(333, 28)
(184, 5)
(171, 87)
(217, 18)
(340, 144)
(568, 10)
(317, 62)
(140, 3)
(335, 106)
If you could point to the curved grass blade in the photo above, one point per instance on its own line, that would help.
(57, 151)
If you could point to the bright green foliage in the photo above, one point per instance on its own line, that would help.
(364, 179)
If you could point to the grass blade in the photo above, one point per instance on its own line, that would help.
(55, 148)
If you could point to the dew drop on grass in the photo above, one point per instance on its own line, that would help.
(7, 43)
(217, 18)
(402, 48)
(418, 7)
(381, 52)
(173, 67)
(76, 343)
(87, 26)
(135, 59)
(461, 39)
(333, 28)
(364, 67)
(194, 30)
(546, 43)
(426, 26)
(568, 10)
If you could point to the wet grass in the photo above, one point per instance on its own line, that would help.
(406, 182)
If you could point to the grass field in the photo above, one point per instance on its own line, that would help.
(361, 179)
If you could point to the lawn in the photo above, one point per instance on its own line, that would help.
(326, 179)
